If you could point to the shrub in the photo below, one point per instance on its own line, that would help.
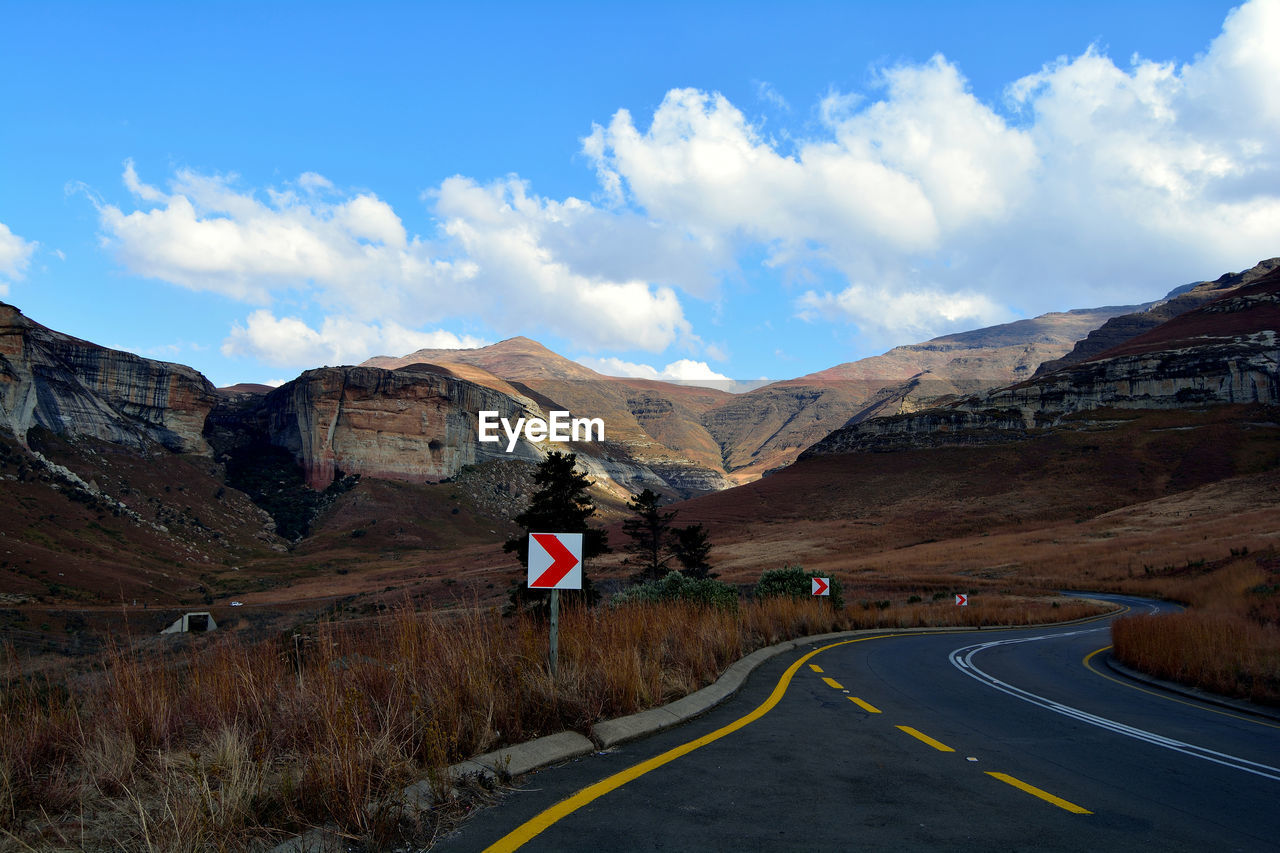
(794, 581)
(675, 586)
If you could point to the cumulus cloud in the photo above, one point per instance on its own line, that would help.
(501, 254)
(1092, 181)
(290, 342)
(911, 209)
(15, 257)
(684, 371)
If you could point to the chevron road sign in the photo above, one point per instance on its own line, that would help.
(555, 561)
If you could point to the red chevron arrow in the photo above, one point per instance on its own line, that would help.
(562, 561)
(820, 586)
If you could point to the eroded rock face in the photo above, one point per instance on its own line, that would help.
(72, 387)
(414, 424)
(419, 424)
(1222, 353)
(1119, 330)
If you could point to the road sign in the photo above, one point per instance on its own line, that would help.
(822, 586)
(962, 599)
(555, 561)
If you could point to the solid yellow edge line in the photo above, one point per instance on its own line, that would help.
(530, 829)
(831, 682)
(924, 738)
(1088, 664)
(1036, 792)
(866, 706)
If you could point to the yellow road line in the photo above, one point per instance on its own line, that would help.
(1088, 664)
(831, 682)
(815, 667)
(866, 706)
(1036, 792)
(531, 828)
(921, 736)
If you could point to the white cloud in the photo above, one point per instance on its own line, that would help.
(912, 209)
(1094, 183)
(15, 257)
(501, 254)
(684, 371)
(290, 342)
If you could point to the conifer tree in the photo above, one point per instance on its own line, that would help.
(561, 505)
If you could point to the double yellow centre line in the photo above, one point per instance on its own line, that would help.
(532, 828)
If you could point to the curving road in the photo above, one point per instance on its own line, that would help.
(1010, 740)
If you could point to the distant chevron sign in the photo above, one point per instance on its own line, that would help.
(822, 586)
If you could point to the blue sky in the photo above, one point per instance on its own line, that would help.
(680, 189)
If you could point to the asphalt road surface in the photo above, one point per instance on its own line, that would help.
(984, 740)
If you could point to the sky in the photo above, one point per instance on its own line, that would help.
(685, 190)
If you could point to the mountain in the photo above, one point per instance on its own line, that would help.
(71, 386)
(515, 358)
(1120, 329)
(1222, 353)
(768, 427)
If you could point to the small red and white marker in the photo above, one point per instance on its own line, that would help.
(962, 600)
(822, 586)
(555, 561)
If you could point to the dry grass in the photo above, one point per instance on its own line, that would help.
(1228, 642)
(228, 744)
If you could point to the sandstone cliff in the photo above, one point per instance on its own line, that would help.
(1125, 327)
(1224, 352)
(770, 426)
(73, 387)
(417, 423)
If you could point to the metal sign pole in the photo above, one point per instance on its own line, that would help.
(555, 630)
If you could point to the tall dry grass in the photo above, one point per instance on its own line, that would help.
(1228, 642)
(230, 744)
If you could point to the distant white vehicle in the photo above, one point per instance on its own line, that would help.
(237, 604)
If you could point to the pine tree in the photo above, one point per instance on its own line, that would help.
(649, 536)
(561, 505)
(692, 547)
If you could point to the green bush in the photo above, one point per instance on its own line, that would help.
(677, 587)
(797, 583)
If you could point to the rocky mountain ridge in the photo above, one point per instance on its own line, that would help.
(1222, 353)
(413, 418)
(71, 386)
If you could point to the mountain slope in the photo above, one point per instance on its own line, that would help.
(1224, 352)
(73, 387)
(1120, 329)
(769, 427)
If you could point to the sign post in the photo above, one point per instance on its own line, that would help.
(555, 563)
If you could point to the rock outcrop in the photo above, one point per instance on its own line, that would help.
(1224, 352)
(769, 427)
(1126, 327)
(417, 423)
(73, 387)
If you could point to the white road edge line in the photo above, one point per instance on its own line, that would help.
(962, 659)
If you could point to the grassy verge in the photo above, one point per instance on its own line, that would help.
(1228, 642)
(230, 745)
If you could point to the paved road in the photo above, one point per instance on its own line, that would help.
(1003, 740)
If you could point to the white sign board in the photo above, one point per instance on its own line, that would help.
(555, 561)
(821, 586)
